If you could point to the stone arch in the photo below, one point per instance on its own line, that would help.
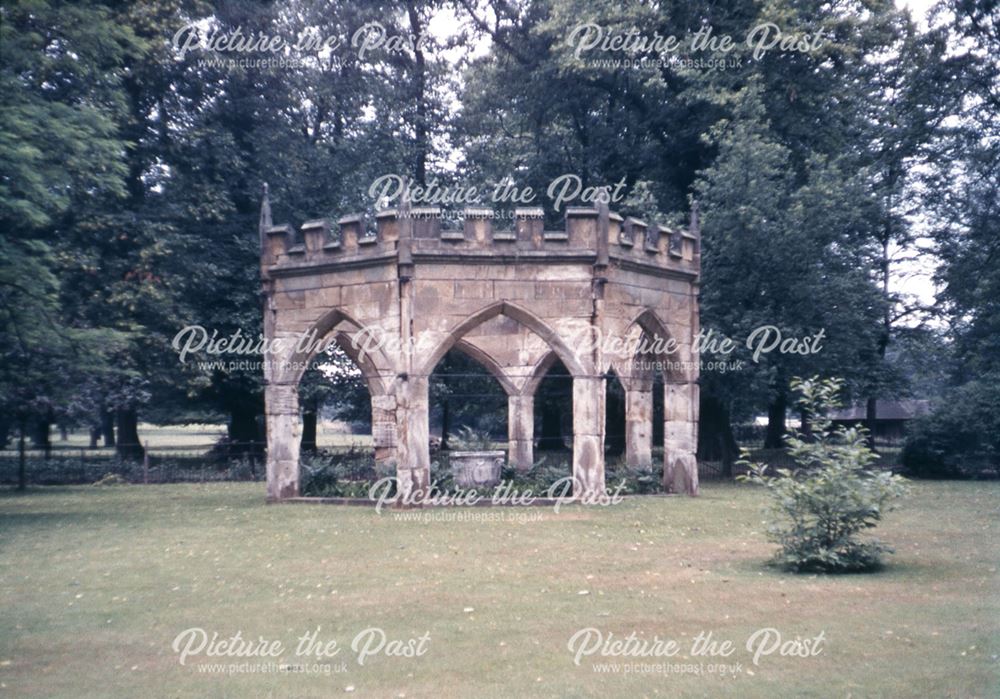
(648, 322)
(415, 282)
(680, 395)
(486, 369)
(515, 312)
(283, 417)
(374, 366)
(541, 368)
(488, 363)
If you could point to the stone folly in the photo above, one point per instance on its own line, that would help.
(515, 300)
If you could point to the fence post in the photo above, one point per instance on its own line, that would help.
(145, 464)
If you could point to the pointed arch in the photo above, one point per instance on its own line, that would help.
(538, 373)
(648, 323)
(372, 363)
(490, 364)
(514, 312)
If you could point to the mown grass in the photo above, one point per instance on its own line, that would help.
(96, 583)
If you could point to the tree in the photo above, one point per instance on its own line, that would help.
(61, 76)
(819, 509)
(960, 436)
(907, 98)
(783, 253)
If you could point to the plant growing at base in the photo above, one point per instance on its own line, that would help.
(819, 510)
(469, 439)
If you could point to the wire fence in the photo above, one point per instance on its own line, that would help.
(161, 464)
(246, 462)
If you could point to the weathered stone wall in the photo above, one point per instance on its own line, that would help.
(399, 292)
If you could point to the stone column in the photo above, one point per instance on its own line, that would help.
(284, 430)
(588, 435)
(521, 431)
(413, 465)
(384, 434)
(680, 467)
(639, 429)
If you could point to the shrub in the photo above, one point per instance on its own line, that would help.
(350, 474)
(961, 437)
(819, 509)
(539, 478)
(469, 439)
(617, 471)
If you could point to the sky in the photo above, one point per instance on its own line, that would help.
(919, 8)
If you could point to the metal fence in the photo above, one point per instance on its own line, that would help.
(219, 462)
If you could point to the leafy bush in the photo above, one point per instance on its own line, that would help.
(961, 437)
(441, 479)
(819, 509)
(349, 475)
(469, 439)
(636, 482)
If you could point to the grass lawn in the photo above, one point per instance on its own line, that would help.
(95, 584)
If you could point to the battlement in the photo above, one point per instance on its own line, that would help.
(475, 233)
(505, 291)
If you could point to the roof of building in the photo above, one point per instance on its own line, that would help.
(884, 410)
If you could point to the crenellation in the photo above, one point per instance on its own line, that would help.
(351, 242)
(478, 225)
(581, 227)
(616, 223)
(511, 297)
(426, 222)
(676, 247)
(387, 226)
(528, 225)
(315, 235)
(651, 242)
(350, 232)
(689, 244)
(633, 229)
(279, 238)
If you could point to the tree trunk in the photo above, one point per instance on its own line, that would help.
(4, 431)
(614, 418)
(715, 434)
(22, 473)
(40, 436)
(129, 447)
(871, 419)
(445, 424)
(309, 414)
(108, 427)
(775, 436)
(420, 128)
(95, 434)
(244, 433)
(805, 420)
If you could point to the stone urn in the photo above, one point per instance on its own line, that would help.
(476, 469)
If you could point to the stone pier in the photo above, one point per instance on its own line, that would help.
(399, 291)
